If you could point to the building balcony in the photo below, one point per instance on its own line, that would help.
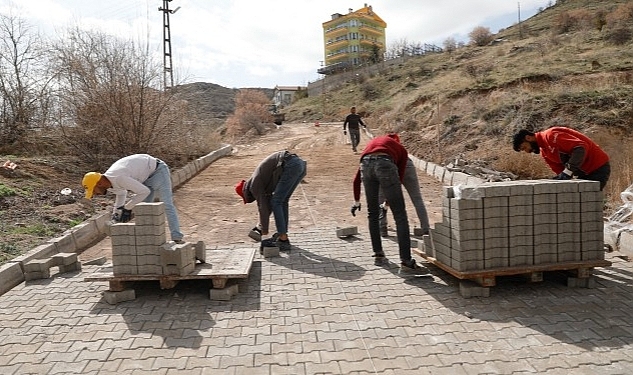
(336, 31)
(370, 30)
(369, 43)
(337, 43)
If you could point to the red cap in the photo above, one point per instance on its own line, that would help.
(239, 189)
(394, 136)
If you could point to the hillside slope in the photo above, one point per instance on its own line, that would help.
(468, 103)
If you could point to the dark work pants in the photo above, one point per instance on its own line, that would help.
(381, 173)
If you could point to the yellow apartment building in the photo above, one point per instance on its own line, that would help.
(352, 39)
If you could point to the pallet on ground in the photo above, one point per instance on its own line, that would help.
(534, 273)
(220, 266)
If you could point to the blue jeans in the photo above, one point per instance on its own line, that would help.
(294, 170)
(412, 184)
(380, 173)
(159, 183)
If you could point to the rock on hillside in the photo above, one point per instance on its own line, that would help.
(209, 102)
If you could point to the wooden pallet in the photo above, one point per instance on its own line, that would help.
(534, 273)
(220, 266)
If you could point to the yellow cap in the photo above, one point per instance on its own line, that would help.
(89, 182)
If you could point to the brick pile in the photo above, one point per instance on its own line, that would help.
(140, 247)
(519, 223)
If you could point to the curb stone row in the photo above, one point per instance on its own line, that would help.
(92, 230)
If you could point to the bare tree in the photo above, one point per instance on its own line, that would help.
(251, 113)
(480, 36)
(110, 94)
(397, 49)
(23, 105)
(450, 44)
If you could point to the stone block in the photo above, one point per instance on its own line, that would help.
(42, 251)
(201, 251)
(99, 261)
(346, 232)
(123, 229)
(427, 244)
(64, 259)
(37, 275)
(585, 282)
(269, 252)
(85, 234)
(149, 209)
(224, 294)
(124, 269)
(150, 269)
(39, 265)
(73, 267)
(469, 289)
(11, 275)
(64, 244)
(115, 297)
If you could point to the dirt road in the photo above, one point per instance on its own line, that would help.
(211, 211)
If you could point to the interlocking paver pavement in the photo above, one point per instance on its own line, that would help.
(323, 308)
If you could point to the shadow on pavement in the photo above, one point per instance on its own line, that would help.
(589, 318)
(180, 314)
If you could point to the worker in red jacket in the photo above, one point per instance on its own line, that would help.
(568, 153)
(382, 166)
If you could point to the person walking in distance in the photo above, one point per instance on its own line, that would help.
(353, 122)
(382, 166)
(412, 185)
(271, 185)
(144, 176)
(568, 152)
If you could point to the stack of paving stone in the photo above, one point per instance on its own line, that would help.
(140, 248)
(519, 223)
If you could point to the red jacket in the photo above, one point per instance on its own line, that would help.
(388, 146)
(557, 143)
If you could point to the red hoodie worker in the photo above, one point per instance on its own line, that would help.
(382, 166)
(568, 153)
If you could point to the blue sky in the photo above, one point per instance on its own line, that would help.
(256, 43)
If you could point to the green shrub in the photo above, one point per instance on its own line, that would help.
(6, 191)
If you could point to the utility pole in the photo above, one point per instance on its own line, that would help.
(519, 13)
(167, 67)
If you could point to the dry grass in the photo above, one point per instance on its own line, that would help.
(540, 80)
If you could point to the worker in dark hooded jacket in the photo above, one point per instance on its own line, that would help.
(271, 185)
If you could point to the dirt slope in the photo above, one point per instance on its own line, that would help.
(211, 211)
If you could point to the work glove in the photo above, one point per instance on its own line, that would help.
(383, 211)
(344, 132)
(355, 207)
(122, 215)
(564, 175)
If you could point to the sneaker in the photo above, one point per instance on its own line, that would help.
(411, 267)
(283, 245)
(275, 242)
(379, 255)
(179, 242)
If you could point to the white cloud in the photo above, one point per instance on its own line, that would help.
(254, 43)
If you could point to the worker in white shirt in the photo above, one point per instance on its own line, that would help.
(144, 176)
